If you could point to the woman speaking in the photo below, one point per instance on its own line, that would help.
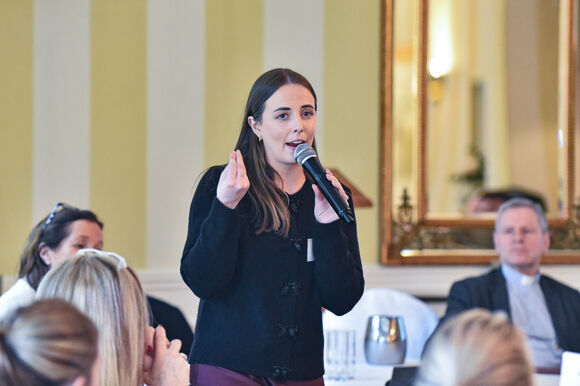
(265, 251)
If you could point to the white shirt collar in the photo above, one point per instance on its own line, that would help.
(515, 277)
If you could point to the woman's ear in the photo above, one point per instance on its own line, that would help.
(255, 127)
(44, 253)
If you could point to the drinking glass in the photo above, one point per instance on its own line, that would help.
(339, 354)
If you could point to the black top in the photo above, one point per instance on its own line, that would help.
(260, 308)
(173, 320)
(489, 291)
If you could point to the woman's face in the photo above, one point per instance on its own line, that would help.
(83, 234)
(289, 119)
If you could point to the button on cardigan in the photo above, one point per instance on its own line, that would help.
(261, 294)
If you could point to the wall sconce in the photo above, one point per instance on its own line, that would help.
(405, 210)
(438, 69)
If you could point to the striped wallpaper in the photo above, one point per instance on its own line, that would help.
(118, 106)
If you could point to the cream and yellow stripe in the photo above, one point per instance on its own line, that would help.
(175, 122)
(16, 149)
(119, 106)
(61, 104)
(233, 59)
(294, 38)
(119, 124)
(352, 98)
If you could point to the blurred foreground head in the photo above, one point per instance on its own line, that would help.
(476, 348)
(102, 286)
(48, 343)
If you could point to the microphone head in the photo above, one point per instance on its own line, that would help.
(303, 152)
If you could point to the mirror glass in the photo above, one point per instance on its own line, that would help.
(492, 97)
(478, 105)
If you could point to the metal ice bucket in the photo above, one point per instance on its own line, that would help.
(385, 340)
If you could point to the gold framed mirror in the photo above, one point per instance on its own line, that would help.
(479, 104)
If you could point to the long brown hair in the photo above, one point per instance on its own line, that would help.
(270, 203)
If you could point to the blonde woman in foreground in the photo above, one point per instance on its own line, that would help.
(110, 293)
(477, 348)
(50, 343)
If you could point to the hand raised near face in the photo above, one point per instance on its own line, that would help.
(163, 364)
(323, 212)
(234, 182)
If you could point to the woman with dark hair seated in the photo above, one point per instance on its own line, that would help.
(57, 237)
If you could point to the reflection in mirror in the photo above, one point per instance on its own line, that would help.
(478, 107)
(405, 61)
(492, 103)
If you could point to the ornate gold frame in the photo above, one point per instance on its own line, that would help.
(429, 233)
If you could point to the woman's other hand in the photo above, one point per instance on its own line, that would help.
(163, 364)
(323, 212)
(234, 182)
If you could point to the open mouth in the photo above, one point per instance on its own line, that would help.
(295, 143)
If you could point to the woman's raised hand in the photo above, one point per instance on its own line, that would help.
(163, 364)
(234, 182)
(323, 212)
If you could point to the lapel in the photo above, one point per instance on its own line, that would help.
(499, 294)
(555, 308)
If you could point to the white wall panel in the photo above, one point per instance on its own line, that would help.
(175, 114)
(61, 104)
(294, 38)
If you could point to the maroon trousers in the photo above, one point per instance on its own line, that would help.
(205, 375)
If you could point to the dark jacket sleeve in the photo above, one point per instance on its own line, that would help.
(488, 291)
(458, 300)
(211, 248)
(338, 269)
(564, 306)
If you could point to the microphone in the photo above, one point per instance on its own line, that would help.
(307, 158)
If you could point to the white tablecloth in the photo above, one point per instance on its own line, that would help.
(365, 375)
(368, 375)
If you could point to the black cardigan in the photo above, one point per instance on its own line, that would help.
(260, 308)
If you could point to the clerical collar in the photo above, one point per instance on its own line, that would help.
(515, 277)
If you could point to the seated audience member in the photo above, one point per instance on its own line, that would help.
(48, 342)
(55, 238)
(476, 348)
(58, 237)
(546, 310)
(110, 293)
